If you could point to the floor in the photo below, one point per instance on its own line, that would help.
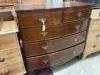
(88, 66)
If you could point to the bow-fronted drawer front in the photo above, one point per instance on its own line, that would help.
(43, 47)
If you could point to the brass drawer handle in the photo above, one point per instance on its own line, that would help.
(44, 33)
(44, 45)
(42, 20)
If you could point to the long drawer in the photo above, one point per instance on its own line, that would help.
(35, 34)
(43, 47)
(54, 59)
(33, 18)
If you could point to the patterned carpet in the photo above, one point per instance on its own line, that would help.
(88, 66)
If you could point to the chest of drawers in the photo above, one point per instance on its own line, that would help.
(52, 35)
(93, 39)
(11, 62)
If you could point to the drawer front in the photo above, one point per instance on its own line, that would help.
(64, 56)
(93, 42)
(43, 47)
(13, 61)
(33, 19)
(29, 19)
(53, 59)
(74, 27)
(76, 14)
(8, 41)
(39, 62)
(35, 34)
(95, 25)
(92, 47)
(53, 17)
(95, 13)
(95, 35)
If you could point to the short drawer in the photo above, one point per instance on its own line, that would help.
(29, 19)
(35, 34)
(76, 14)
(77, 26)
(54, 59)
(43, 47)
(33, 18)
(8, 41)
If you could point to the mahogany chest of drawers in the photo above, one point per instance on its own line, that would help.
(52, 35)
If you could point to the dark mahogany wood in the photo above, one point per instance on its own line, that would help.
(65, 35)
(54, 59)
(34, 34)
(31, 18)
(77, 13)
(39, 62)
(34, 49)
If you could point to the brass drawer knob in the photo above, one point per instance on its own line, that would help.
(79, 14)
(45, 61)
(77, 27)
(76, 39)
